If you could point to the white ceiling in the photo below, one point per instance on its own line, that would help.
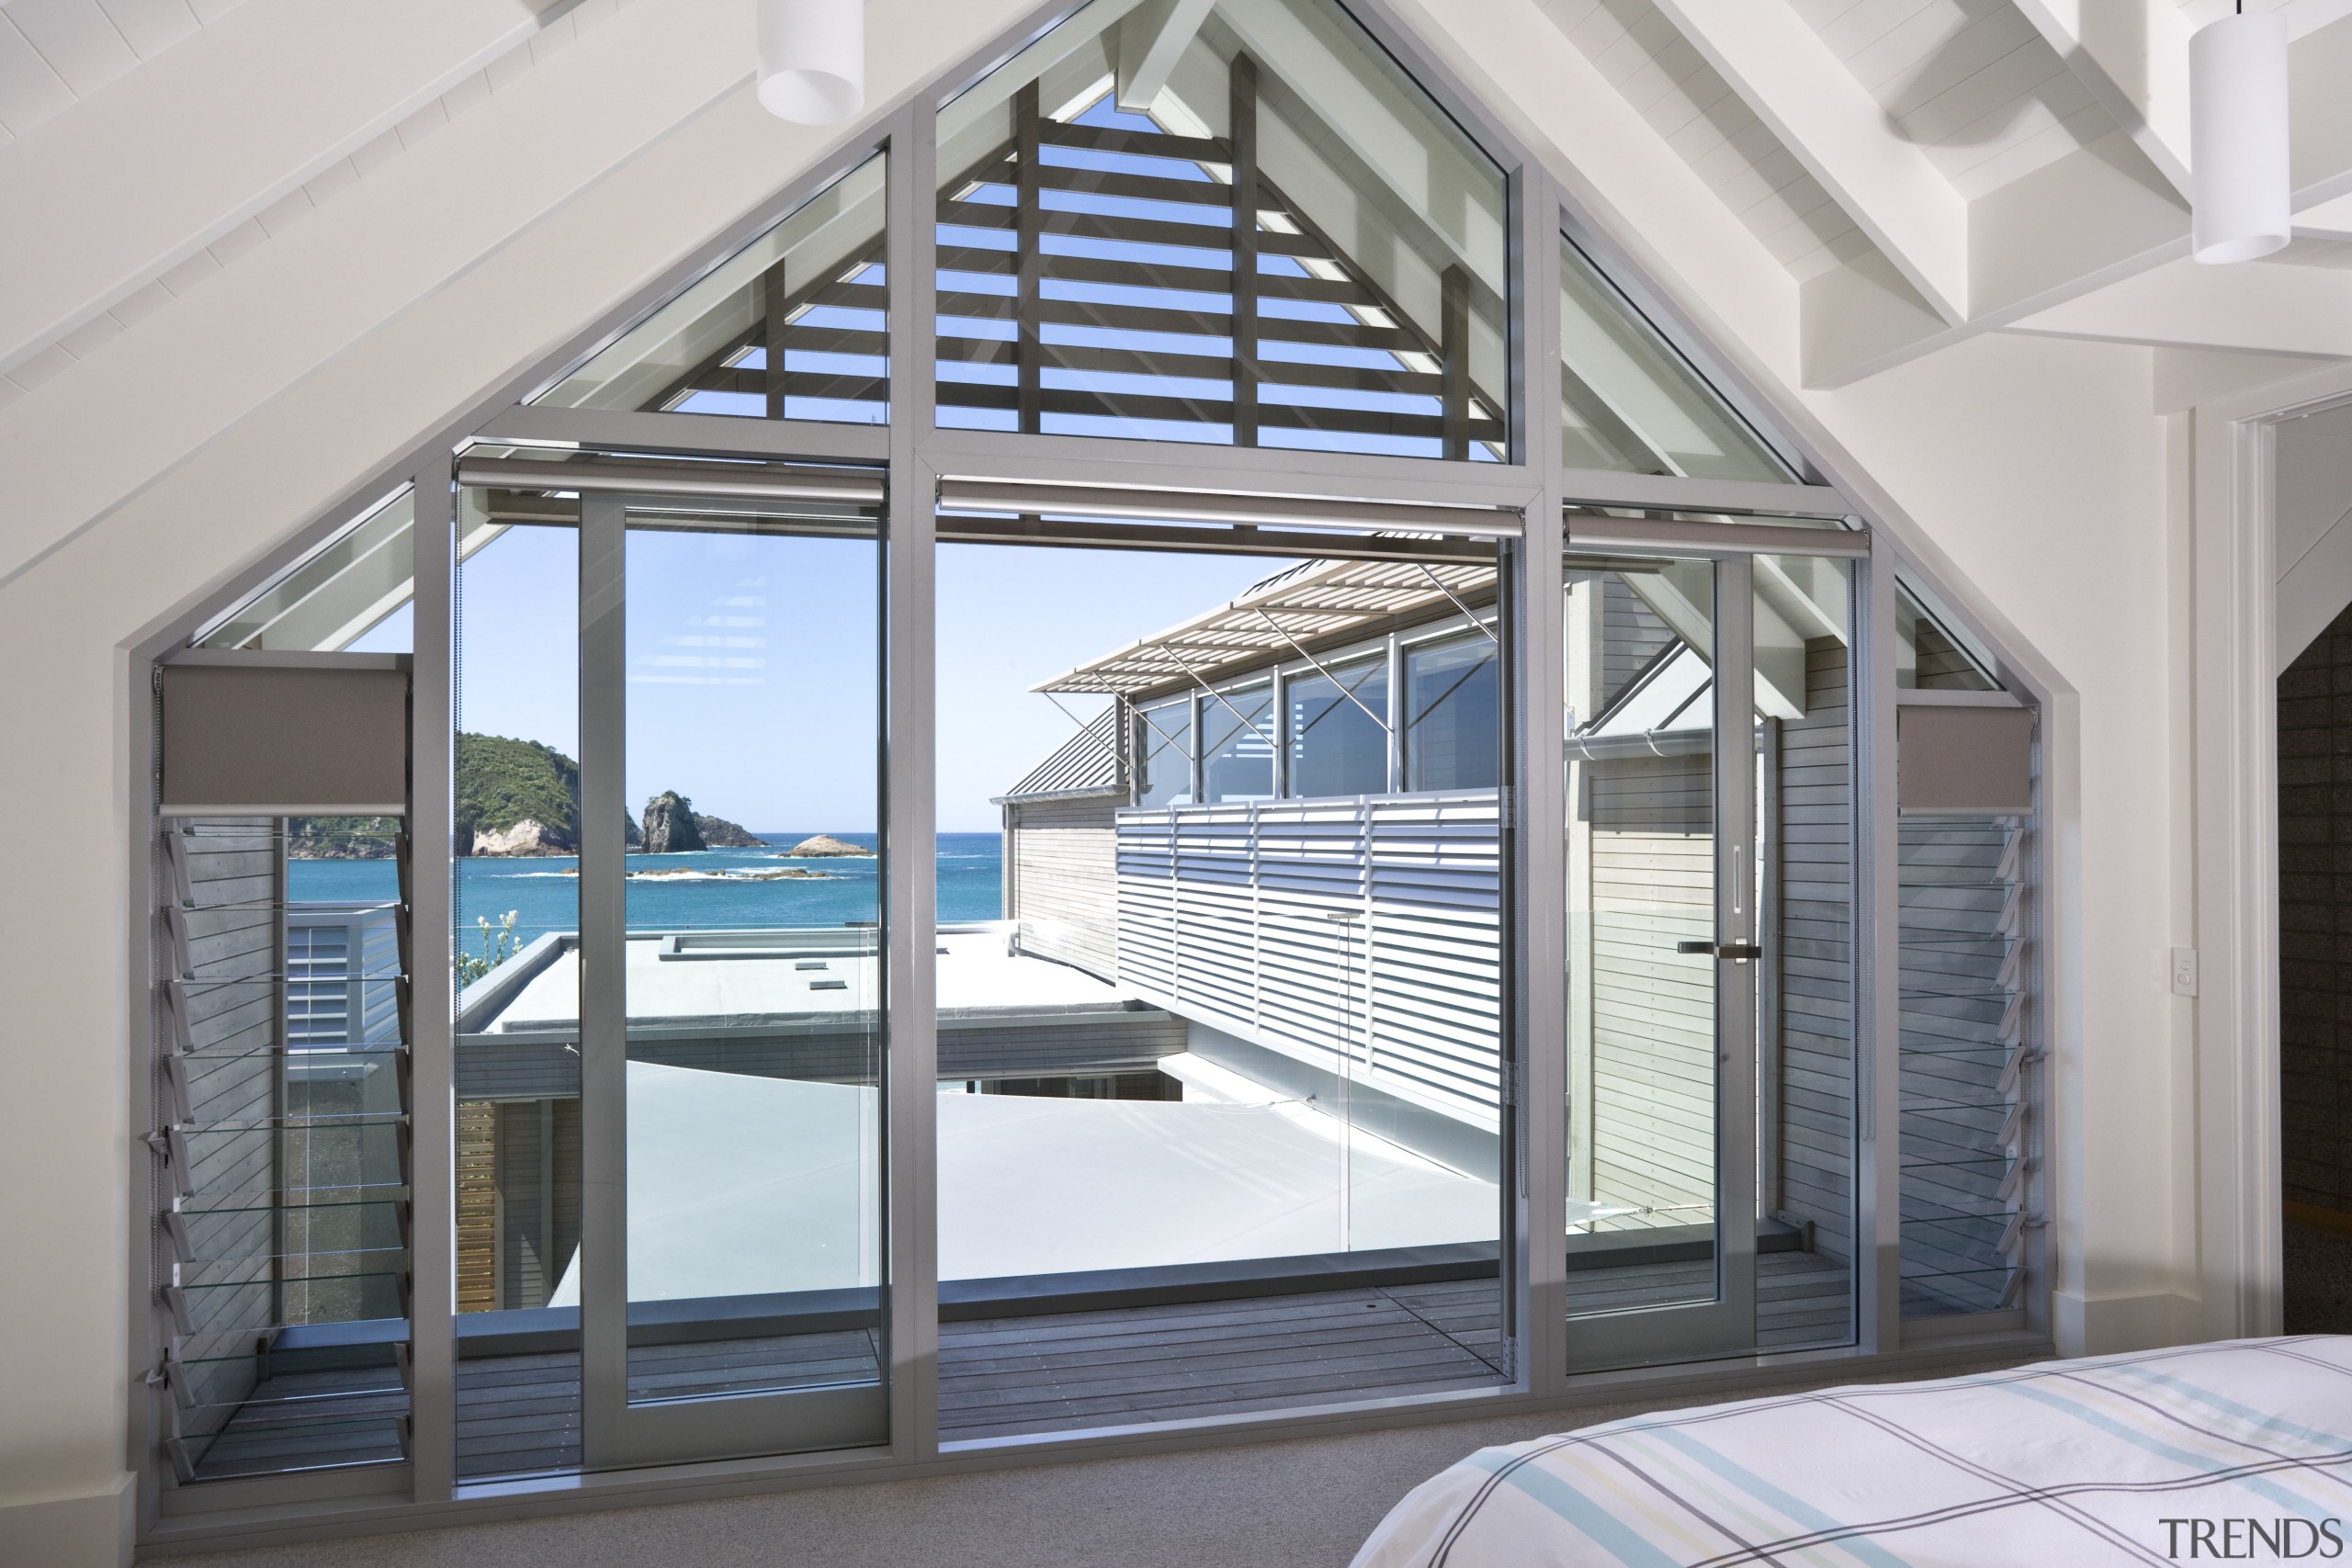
(53, 52)
(2001, 166)
(1968, 80)
(1927, 169)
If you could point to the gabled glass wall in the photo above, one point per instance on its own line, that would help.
(1230, 918)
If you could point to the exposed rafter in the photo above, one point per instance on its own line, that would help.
(1151, 39)
(2133, 57)
(2263, 305)
(1783, 70)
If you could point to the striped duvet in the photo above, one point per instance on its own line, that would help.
(2237, 1451)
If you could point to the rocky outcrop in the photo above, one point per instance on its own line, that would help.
(826, 844)
(670, 828)
(342, 837)
(529, 837)
(719, 833)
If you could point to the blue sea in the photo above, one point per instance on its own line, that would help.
(543, 893)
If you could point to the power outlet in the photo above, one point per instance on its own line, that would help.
(2184, 971)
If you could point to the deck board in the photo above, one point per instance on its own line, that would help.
(520, 1414)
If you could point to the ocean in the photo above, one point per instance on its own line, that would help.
(713, 895)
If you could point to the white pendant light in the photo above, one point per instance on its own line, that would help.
(2237, 134)
(812, 59)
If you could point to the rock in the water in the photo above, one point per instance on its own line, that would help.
(669, 824)
(826, 844)
(719, 833)
(529, 837)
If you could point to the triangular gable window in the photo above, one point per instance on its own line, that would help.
(1237, 223)
(793, 326)
(1631, 403)
(1933, 652)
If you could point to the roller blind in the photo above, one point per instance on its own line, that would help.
(1964, 760)
(271, 740)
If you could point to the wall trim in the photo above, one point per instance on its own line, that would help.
(80, 1531)
(2108, 1326)
(2236, 695)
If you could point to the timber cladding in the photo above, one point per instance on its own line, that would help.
(2315, 920)
(1062, 880)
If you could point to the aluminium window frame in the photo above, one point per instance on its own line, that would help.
(1534, 483)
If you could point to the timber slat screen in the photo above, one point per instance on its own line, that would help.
(827, 318)
(1096, 277)
(1092, 276)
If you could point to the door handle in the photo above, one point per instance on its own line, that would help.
(1737, 952)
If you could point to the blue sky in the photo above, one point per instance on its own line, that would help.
(752, 660)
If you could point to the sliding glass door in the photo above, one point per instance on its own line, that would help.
(670, 1039)
(730, 1014)
(1224, 926)
(1709, 977)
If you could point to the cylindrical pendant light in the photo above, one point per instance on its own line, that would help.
(2237, 132)
(812, 59)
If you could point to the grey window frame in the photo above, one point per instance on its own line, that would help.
(1534, 485)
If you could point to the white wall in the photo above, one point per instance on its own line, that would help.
(169, 459)
(2037, 469)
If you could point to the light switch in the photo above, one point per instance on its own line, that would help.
(2184, 971)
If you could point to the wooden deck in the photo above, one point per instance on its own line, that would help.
(520, 1414)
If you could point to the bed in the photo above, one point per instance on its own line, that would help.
(2240, 1450)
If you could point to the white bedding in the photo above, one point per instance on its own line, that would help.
(2245, 1445)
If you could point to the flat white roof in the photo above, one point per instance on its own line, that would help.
(738, 979)
(746, 1186)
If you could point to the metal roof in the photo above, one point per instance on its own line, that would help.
(1087, 764)
(1319, 602)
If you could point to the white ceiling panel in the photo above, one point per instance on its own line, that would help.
(80, 42)
(148, 27)
(30, 91)
(53, 52)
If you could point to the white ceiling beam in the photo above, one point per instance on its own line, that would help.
(2099, 213)
(2327, 221)
(2132, 57)
(138, 177)
(2319, 106)
(1811, 100)
(1152, 38)
(2256, 307)
(1644, 195)
(1862, 318)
